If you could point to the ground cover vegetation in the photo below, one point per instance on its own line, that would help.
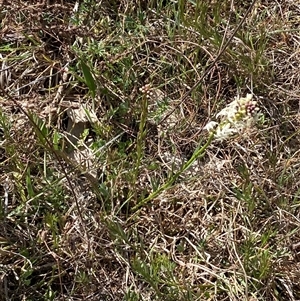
(149, 150)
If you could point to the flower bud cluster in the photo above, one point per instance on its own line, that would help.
(146, 89)
(251, 108)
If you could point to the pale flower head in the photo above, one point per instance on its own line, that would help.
(240, 108)
(236, 116)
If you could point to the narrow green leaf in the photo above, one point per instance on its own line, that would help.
(89, 79)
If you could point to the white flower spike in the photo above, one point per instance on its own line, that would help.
(234, 117)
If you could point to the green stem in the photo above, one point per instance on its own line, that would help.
(141, 138)
(199, 152)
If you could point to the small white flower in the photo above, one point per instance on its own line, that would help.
(248, 97)
(229, 111)
(225, 131)
(210, 126)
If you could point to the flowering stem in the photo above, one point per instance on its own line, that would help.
(141, 137)
(198, 153)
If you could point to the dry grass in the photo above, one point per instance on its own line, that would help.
(70, 183)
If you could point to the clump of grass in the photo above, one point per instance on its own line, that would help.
(135, 200)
